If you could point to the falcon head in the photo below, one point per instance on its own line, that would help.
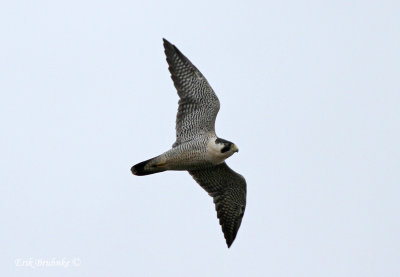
(226, 147)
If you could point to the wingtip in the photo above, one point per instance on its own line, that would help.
(169, 48)
(167, 43)
(229, 242)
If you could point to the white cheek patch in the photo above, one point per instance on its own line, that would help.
(214, 152)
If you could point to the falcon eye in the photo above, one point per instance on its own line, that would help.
(226, 148)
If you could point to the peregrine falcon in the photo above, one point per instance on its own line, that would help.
(197, 148)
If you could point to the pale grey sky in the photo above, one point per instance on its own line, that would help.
(309, 92)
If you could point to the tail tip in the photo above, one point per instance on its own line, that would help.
(138, 169)
(134, 170)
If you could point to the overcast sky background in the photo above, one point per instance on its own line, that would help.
(309, 92)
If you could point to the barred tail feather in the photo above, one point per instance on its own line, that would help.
(146, 168)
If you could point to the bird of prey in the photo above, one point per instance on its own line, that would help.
(197, 148)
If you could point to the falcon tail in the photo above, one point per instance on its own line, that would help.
(147, 167)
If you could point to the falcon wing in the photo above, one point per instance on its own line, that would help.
(198, 104)
(228, 189)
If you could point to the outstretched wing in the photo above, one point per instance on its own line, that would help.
(228, 189)
(198, 104)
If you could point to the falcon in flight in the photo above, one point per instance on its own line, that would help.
(197, 148)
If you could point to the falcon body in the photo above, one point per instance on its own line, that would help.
(197, 148)
(202, 152)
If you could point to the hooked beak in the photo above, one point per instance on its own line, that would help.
(235, 149)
